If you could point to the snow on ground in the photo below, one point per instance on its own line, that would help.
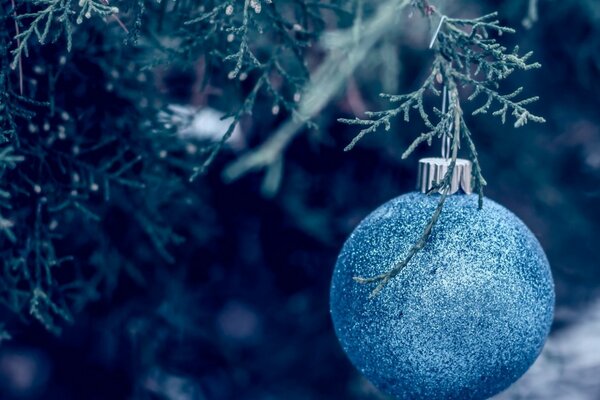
(569, 366)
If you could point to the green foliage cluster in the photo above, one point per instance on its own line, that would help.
(69, 163)
(81, 144)
(53, 17)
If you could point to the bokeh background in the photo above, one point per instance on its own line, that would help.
(243, 312)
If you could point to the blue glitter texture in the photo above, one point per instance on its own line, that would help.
(466, 317)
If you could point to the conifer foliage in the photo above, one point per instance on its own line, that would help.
(82, 84)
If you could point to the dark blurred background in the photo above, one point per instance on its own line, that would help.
(243, 312)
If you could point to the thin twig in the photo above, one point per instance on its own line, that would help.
(116, 17)
(18, 45)
(384, 278)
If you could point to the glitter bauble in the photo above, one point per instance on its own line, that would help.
(465, 318)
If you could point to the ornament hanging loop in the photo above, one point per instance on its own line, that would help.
(447, 135)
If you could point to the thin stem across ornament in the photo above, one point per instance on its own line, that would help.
(443, 187)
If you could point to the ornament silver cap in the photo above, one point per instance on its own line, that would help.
(433, 169)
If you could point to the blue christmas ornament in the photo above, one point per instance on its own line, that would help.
(464, 319)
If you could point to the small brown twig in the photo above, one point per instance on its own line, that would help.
(116, 18)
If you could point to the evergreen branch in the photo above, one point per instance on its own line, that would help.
(462, 45)
(244, 47)
(90, 7)
(207, 16)
(6, 226)
(17, 32)
(424, 137)
(343, 58)
(245, 109)
(477, 48)
(479, 179)
(8, 159)
(414, 100)
(383, 279)
(441, 129)
(285, 64)
(51, 12)
(45, 310)
(521, 114)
